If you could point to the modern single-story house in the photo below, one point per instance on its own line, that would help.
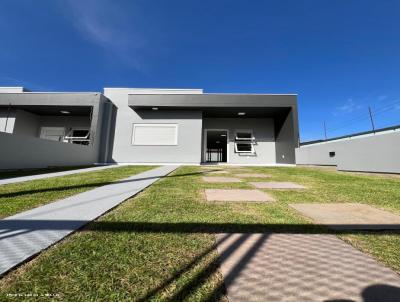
(132, 125)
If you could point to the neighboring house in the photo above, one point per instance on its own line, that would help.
(370, 151)
(129, 125)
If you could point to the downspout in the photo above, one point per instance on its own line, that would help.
(8, 115)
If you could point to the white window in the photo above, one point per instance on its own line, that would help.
(244, 147)
(155, 134)
(244, 141)
(244, 135)
(80, 136)
(52, 133)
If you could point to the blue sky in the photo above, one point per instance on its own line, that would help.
(339, 56)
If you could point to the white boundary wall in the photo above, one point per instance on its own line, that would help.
(378, 152)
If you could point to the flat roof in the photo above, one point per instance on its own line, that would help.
(49, 99)
(209, 100)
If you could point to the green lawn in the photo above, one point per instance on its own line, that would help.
(159, 245)
(18, 197)
(27, 172)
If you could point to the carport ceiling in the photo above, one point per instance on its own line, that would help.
(53, 110)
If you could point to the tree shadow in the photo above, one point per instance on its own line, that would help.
(94, 185)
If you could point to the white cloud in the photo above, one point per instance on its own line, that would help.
(348, 107)
(107, 25)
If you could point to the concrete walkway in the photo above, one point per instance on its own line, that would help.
(24, 235)
(52, 174)
(301, 267)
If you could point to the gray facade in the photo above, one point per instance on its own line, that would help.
(272, 119)
(152, 126)
(370, 152)
(23, 115)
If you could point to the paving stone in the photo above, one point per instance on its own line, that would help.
(253, 175)
(277, 185)
(211, 167)
(216, 172)
(349, 216)
(217, 179)
(301, 267)
(237, 171)
(237, 195)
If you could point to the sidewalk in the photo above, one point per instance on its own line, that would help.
(26, 234)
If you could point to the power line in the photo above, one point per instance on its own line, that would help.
(379, 111)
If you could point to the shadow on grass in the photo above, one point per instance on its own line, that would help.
(5, 175)
(374, 292)
(196, 227)
(93, 185)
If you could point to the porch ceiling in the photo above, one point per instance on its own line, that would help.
(249, 112)
(52, 110)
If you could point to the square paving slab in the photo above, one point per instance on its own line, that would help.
(349, 216)
(218, 179)
(277, 185)
(237, 195)
(301, 267)
(216, 172)
(211, 167)
(255, 175)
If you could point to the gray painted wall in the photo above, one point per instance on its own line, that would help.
(7, 120)
(189, 124)
(26, 124)
(23, 152)
(67, 122)
(263, 131)
(287, 138)
(373, 153)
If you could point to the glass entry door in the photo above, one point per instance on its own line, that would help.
(216, 146)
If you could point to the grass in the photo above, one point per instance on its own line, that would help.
(27, 172)
(18, 197)
(158, 246)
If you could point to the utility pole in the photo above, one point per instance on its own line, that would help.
(372, 119)
(325, 131)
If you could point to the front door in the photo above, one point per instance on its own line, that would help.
(216, 146)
